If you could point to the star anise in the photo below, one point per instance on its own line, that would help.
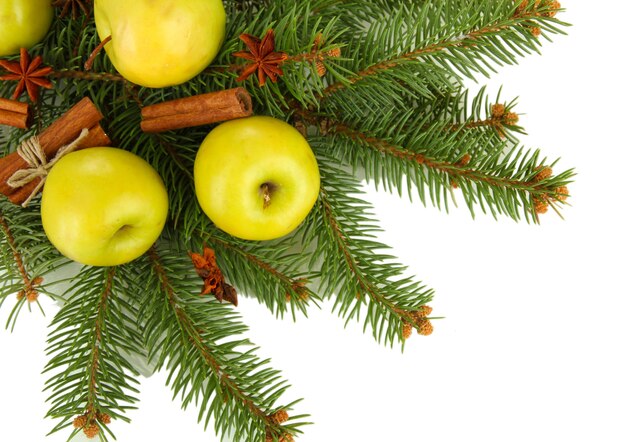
(29, 74)
(265, 61)
(73, 6)
(207, 269)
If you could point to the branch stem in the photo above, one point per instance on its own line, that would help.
(286, 280)
(364, 284)
(452, 169)
(466, 40)
(95, 52)
(17, 256)
(76, 74)
(92, 391)
(195, 337)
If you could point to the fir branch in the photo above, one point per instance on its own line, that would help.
(496, 118)
(81, 75)
(249, 270)
(365, 286)
(234, 6)
(92, 390)
(455, 170)
(27, 258)
(15, 278)
(468, 40)
(485, 124)
(312, 57)
(354, 265)
(503, 179)
(17, 256)
(172, 157)
(276, 273)
(91, 380)
(234, 388)
(195, 337)
(169, 148)
(298, 32)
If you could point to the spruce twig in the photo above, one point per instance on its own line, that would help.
(501, 179)
(91, 382)
(17, 256)
(466, 42)
(295, 289)
(237, 381)
(26, 259)
(355, 263)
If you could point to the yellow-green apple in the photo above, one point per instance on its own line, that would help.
(103, 206)
(23, 23)
(256, 178)
(158, 43)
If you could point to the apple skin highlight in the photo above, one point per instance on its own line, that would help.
(103, 206)
(240, 159)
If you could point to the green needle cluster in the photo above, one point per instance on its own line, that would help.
(378, 88)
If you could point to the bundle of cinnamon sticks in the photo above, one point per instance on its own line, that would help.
(62, 132)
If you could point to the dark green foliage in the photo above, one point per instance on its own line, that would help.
(198, 341)
(355, 268)
(92, 333)
(25, 256)
(392, 107)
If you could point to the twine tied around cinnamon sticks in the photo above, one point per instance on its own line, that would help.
(39, 166)
(62, 132)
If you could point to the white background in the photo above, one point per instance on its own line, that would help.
(531, 344)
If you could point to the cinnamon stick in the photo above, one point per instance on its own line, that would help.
(14, 113)
(13, 106)
(67, 128)
(199, 110)
(60, 133)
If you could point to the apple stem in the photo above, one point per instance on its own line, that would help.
(267, 195)
(94, 54)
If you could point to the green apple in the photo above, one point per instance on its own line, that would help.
(23, 23)
(158, 43)
(256, 178)
(103, 206)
